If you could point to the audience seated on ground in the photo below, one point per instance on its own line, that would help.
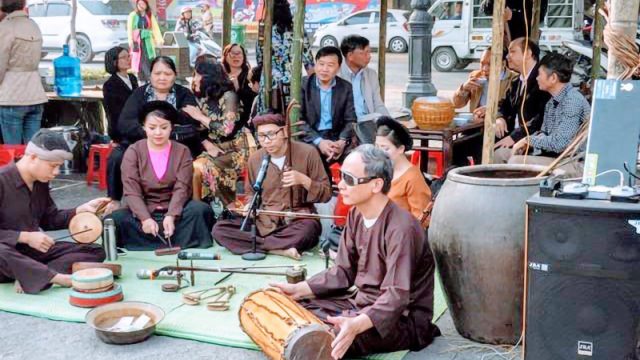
(408, 190)
(563, 115)
(291, 184)
(365, 84)
(327, 107)
(510, 126)
(157, 174)
(475, 90)
(162, 86)
(228, 142)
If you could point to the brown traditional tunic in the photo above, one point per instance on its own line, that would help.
(31, 210)
(149, 197)
(273, 232)
(392, 267)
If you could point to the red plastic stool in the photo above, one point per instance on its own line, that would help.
(102, 151)
(335, 173)
(435, 155)
(6, 156)
(18, 150)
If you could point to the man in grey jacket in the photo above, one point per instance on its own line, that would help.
(366, 88)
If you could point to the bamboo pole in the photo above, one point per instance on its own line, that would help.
(623, 17)
(296, 71)
(598, 27)
(226, 23)
(497, 44)
(266, 51)
(535, 23)
(382, 46)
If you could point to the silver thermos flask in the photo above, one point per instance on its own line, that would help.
(109, 240)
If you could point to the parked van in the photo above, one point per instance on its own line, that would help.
(461, 31)
(100, 25)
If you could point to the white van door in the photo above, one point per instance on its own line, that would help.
(58, 23)
(450, 32)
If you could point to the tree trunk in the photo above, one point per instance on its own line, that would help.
(296, 71)
(598, 26)
(494, 82)
(623, 17)
(382, 46)
(226, 23)
(73, 39)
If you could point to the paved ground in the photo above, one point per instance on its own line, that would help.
(25, 337)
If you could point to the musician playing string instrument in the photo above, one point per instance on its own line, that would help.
(384, 253)
(295, 180)
(28, 255)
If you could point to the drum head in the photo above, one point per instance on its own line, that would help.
(311, 342)
(84, 221)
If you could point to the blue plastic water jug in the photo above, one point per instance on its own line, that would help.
(68, 80)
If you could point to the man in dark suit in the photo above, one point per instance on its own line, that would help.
(327, 107)
(511, 125)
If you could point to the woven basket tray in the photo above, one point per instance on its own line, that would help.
(432, 113)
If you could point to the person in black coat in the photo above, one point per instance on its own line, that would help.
(117, 89)
(162, 87)
(535, 100)
(327, 107)
(515, 15)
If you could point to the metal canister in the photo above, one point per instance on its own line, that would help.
(109, 240)
(296, 274)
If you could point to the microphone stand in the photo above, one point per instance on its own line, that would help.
(256, 201)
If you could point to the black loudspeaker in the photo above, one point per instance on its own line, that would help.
(582, 290)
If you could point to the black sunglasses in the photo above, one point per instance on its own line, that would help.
(351, 180)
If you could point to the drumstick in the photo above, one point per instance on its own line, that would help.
(71, 235)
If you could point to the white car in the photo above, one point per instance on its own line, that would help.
(367, 24)
(100, 25)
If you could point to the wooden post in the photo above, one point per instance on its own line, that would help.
(598, 27)
(296, 55)
(266, 51)
(497, 43)
(73, 38)
(382, 46)
(226, 23)
(623, 17)
(535, 21)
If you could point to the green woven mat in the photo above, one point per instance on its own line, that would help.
(188, 322)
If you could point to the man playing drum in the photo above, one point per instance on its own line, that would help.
(384, 253)
(27, 255)
(307, 180)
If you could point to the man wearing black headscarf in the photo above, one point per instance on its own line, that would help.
(28, 255)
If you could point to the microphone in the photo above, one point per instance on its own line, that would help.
(186, 255)
(146, 274)
(262, 173)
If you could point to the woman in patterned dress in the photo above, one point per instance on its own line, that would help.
(228, 144)
(281, 57)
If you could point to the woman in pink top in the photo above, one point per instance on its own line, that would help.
(156, 176)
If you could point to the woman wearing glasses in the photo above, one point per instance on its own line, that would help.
(118, 87)
(408, 187)
(283, 189)
(228, 144)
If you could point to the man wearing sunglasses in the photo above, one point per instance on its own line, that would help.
(307, 180)
(384, 253)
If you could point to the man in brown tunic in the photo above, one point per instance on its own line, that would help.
(27, 255)
(307, 180)
(384, 253)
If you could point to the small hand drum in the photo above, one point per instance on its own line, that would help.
(85, 228)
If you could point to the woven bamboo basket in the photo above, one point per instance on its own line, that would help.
(432, 113)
